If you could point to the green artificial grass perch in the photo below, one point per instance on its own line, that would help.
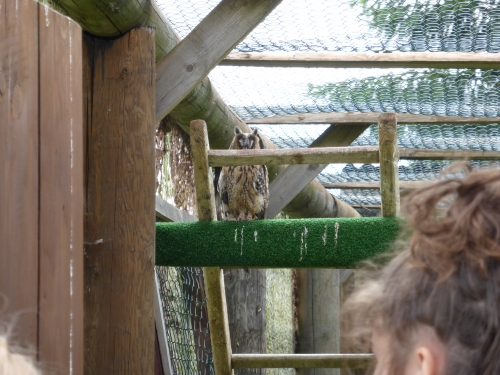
(297, 243)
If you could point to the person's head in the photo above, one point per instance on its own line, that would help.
(435, 308)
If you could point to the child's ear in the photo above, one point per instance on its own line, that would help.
(426, 361)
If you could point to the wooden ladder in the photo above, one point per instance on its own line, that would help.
(203, 159)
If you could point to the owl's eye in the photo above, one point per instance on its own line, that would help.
(239, 146)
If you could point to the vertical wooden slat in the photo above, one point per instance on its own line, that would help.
(389, 157)
(214, 282)
(61, 194)
(120, 205)
(19, 168)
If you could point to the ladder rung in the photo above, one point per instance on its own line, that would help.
(301, 360)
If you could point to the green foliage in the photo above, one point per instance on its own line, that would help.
(435, 25)
(462, 92)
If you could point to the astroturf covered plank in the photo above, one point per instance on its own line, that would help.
(297, 243)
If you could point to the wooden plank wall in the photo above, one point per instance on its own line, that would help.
(120, 204)
(41, 179)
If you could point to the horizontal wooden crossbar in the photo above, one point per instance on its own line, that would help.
(358, 118)
(328, 155)
(297, 243)
(353, 361)
(317, 155)
(443, 60)
(374, 185)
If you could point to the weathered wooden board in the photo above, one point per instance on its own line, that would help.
(61, 193)
(439, 60)
(120, 206)
(318, 313)
(289, 184)
(19, 142)
(213, 279)
(357, 118)
(389, 158)
(317, 155)
(301, 360)
(207, 44)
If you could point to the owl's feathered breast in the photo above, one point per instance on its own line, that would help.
(244, 189)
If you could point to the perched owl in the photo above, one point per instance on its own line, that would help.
(244, 190)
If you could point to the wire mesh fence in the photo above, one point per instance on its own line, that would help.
(186, 321)
(361, 25)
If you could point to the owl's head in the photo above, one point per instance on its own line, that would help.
(245, 141)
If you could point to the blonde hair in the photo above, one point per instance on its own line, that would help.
(12, 363)
(447, 277)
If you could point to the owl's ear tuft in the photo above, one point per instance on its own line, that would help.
(237, 130)
(255, 131)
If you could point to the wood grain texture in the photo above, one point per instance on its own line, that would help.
(217, 318)
(19, 157)
(120, 205)
(202, 172)
(61, 193)
(389, 157)
(115, 18)
(246, 309)
(207, 44)
(369, 118)
(403, 185)
(293, 190)
(319, 155)
(433, 154)
(318, 313)
(167, 212)
(301, 360)
(440, 60)
(212, 276)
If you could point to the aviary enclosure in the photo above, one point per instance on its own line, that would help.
(358, 102)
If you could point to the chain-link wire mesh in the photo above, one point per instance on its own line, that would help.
(185, 314)
(361, 25)
(377, 26)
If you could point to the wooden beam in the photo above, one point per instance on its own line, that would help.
(205, 46)
(301, 360)
(167, 212)
(369, 118)
(389, 157)
(330, 155)
(434, 154)
(403, 185)
(439, 60)
(289, 187)
(318, 315)
(318, 155)
(120, 207)
(214, 281)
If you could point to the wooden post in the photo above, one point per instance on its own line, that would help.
(120, 209)
(318, 312)
(389, 157)
(214, 282)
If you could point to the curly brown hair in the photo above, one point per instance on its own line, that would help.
(447, 277)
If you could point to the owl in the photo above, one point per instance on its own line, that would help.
(244, 190)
